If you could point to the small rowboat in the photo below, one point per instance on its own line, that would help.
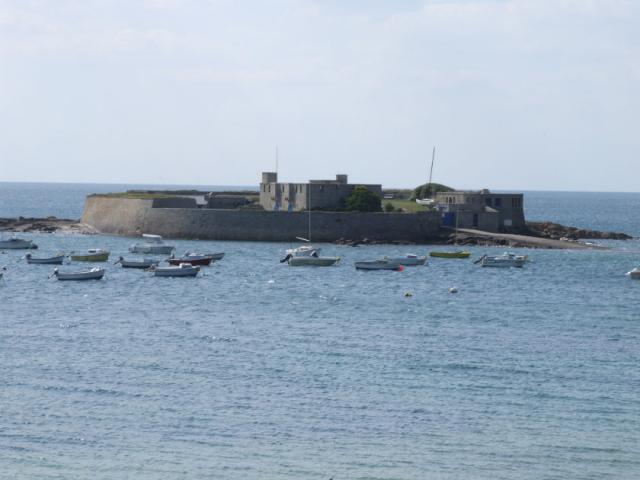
(92, 255)
(191, 258)
(182, 270)
(379, 265)
(15, 243)
(408, 260)
(95, 273)
(144, 263)
(458, 254)
(309, 261)
(57, 260)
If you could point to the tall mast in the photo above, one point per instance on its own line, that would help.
(276, 159)
(309, 208)
(433, 157)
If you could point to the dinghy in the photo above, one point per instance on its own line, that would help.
(408, 260)
(191, 258)
(182, 270)
(144, 263)
(56, 260)
(94, 273)
(458, 254)
(92, 255)
(379, 265)
(502, 261)
(310, 261)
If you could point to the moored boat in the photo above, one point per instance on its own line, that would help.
(191, 258)
(144, 263)
(457, 254)
(94, 273)
(215, 256)
(378, 265)
(55, 260)
(303, 251)
(15, 243)
(92, 255)
(182, 270)
(153, 245)
(634, 274)
(502, 261)
(310, 261)
(408, 260)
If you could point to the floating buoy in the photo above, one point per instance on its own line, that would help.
(453, 290)
(408, 294)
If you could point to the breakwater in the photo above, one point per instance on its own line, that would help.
(132, 216)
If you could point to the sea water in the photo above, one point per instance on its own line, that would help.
(256, 370)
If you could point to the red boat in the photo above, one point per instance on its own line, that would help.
(193, 259)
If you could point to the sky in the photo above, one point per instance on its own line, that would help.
(514, 94)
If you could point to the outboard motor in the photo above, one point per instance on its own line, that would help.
(286, 259)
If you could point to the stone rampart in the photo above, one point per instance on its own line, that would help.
(124, 216)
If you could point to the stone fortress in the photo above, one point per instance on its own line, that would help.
(314, 195)
(289, 210)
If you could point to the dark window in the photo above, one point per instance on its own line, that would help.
(488, 201)
(498, 202)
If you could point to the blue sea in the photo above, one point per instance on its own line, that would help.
(256, 370)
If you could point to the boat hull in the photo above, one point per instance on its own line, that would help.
(450, 254)
(146, 263)
(91, 257)
(206, 261)
(407, 261)
(176, 272)
(313, 261)
(377, 265)
(17, 244)
(58, 260)
(94, 274)
(499, 262)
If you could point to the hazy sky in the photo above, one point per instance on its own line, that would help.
(515, 94)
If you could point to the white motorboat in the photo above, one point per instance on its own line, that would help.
(303, 251)
(502, 261)
(310, 261)
(55, 260)
(153, 245)
(15, 243)
(634, 274)
(407, 260)
(182, 270)
(94, 273)
(379, 265)
(144, 263)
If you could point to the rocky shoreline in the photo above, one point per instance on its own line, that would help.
(45, 225)
(559, 232)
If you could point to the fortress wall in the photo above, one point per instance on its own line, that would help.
(132, 217)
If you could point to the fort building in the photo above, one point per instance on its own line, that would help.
(314, 195)
(483, 210)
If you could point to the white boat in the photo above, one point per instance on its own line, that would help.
(502, 261)
(182, 270)
(310, 261)
(94, 273)
(152, 246)
(56, 260)
(303, 251)
(378, 265)
(634, 274)
(427, 202)
(144, 263)
(407, 260)
(15, 243)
